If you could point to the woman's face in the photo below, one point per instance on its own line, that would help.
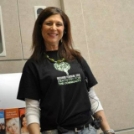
(52, 30)
(3, 126)
(24, 122)
(12, 126)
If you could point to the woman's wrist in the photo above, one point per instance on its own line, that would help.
(110, 131)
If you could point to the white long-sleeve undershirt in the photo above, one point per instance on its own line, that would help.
(33, 110)
(95, 102)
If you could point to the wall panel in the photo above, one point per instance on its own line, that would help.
(75, 13)
(27, 19)
(11, 30)
(107, 29)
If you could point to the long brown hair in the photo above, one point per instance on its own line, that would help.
(66, 49)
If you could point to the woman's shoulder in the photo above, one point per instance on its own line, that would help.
(29, 63)
(33, 62)
(32, 65)
(82, 60)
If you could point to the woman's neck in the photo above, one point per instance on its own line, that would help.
(51, 47)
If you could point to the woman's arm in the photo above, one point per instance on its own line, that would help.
(98, 111)
(94, 100)
(32, 116)
(104, 123)
(34, 128)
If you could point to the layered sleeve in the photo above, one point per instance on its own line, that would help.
(88, 74)
(29, 86)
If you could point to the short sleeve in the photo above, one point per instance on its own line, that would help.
(29, 83)
(88, 73)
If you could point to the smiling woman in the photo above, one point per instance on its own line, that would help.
(52, 31)
(24, 129)
(53, 82)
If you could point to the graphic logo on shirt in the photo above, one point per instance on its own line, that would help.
(63, 66)
(69, 79)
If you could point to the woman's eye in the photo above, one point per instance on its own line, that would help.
(48, 23)
(59, 24)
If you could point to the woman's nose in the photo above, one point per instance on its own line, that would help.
(53, 27)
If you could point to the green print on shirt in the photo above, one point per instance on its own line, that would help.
(63, 66)
(69, 79)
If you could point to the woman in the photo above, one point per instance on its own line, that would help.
(2, 128)
(53, 82)
(24, 129)
(12, 126)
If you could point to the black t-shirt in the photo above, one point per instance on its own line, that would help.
(61, 90)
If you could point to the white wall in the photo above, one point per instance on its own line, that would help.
(8, 91)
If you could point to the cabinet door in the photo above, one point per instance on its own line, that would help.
(11, 30)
